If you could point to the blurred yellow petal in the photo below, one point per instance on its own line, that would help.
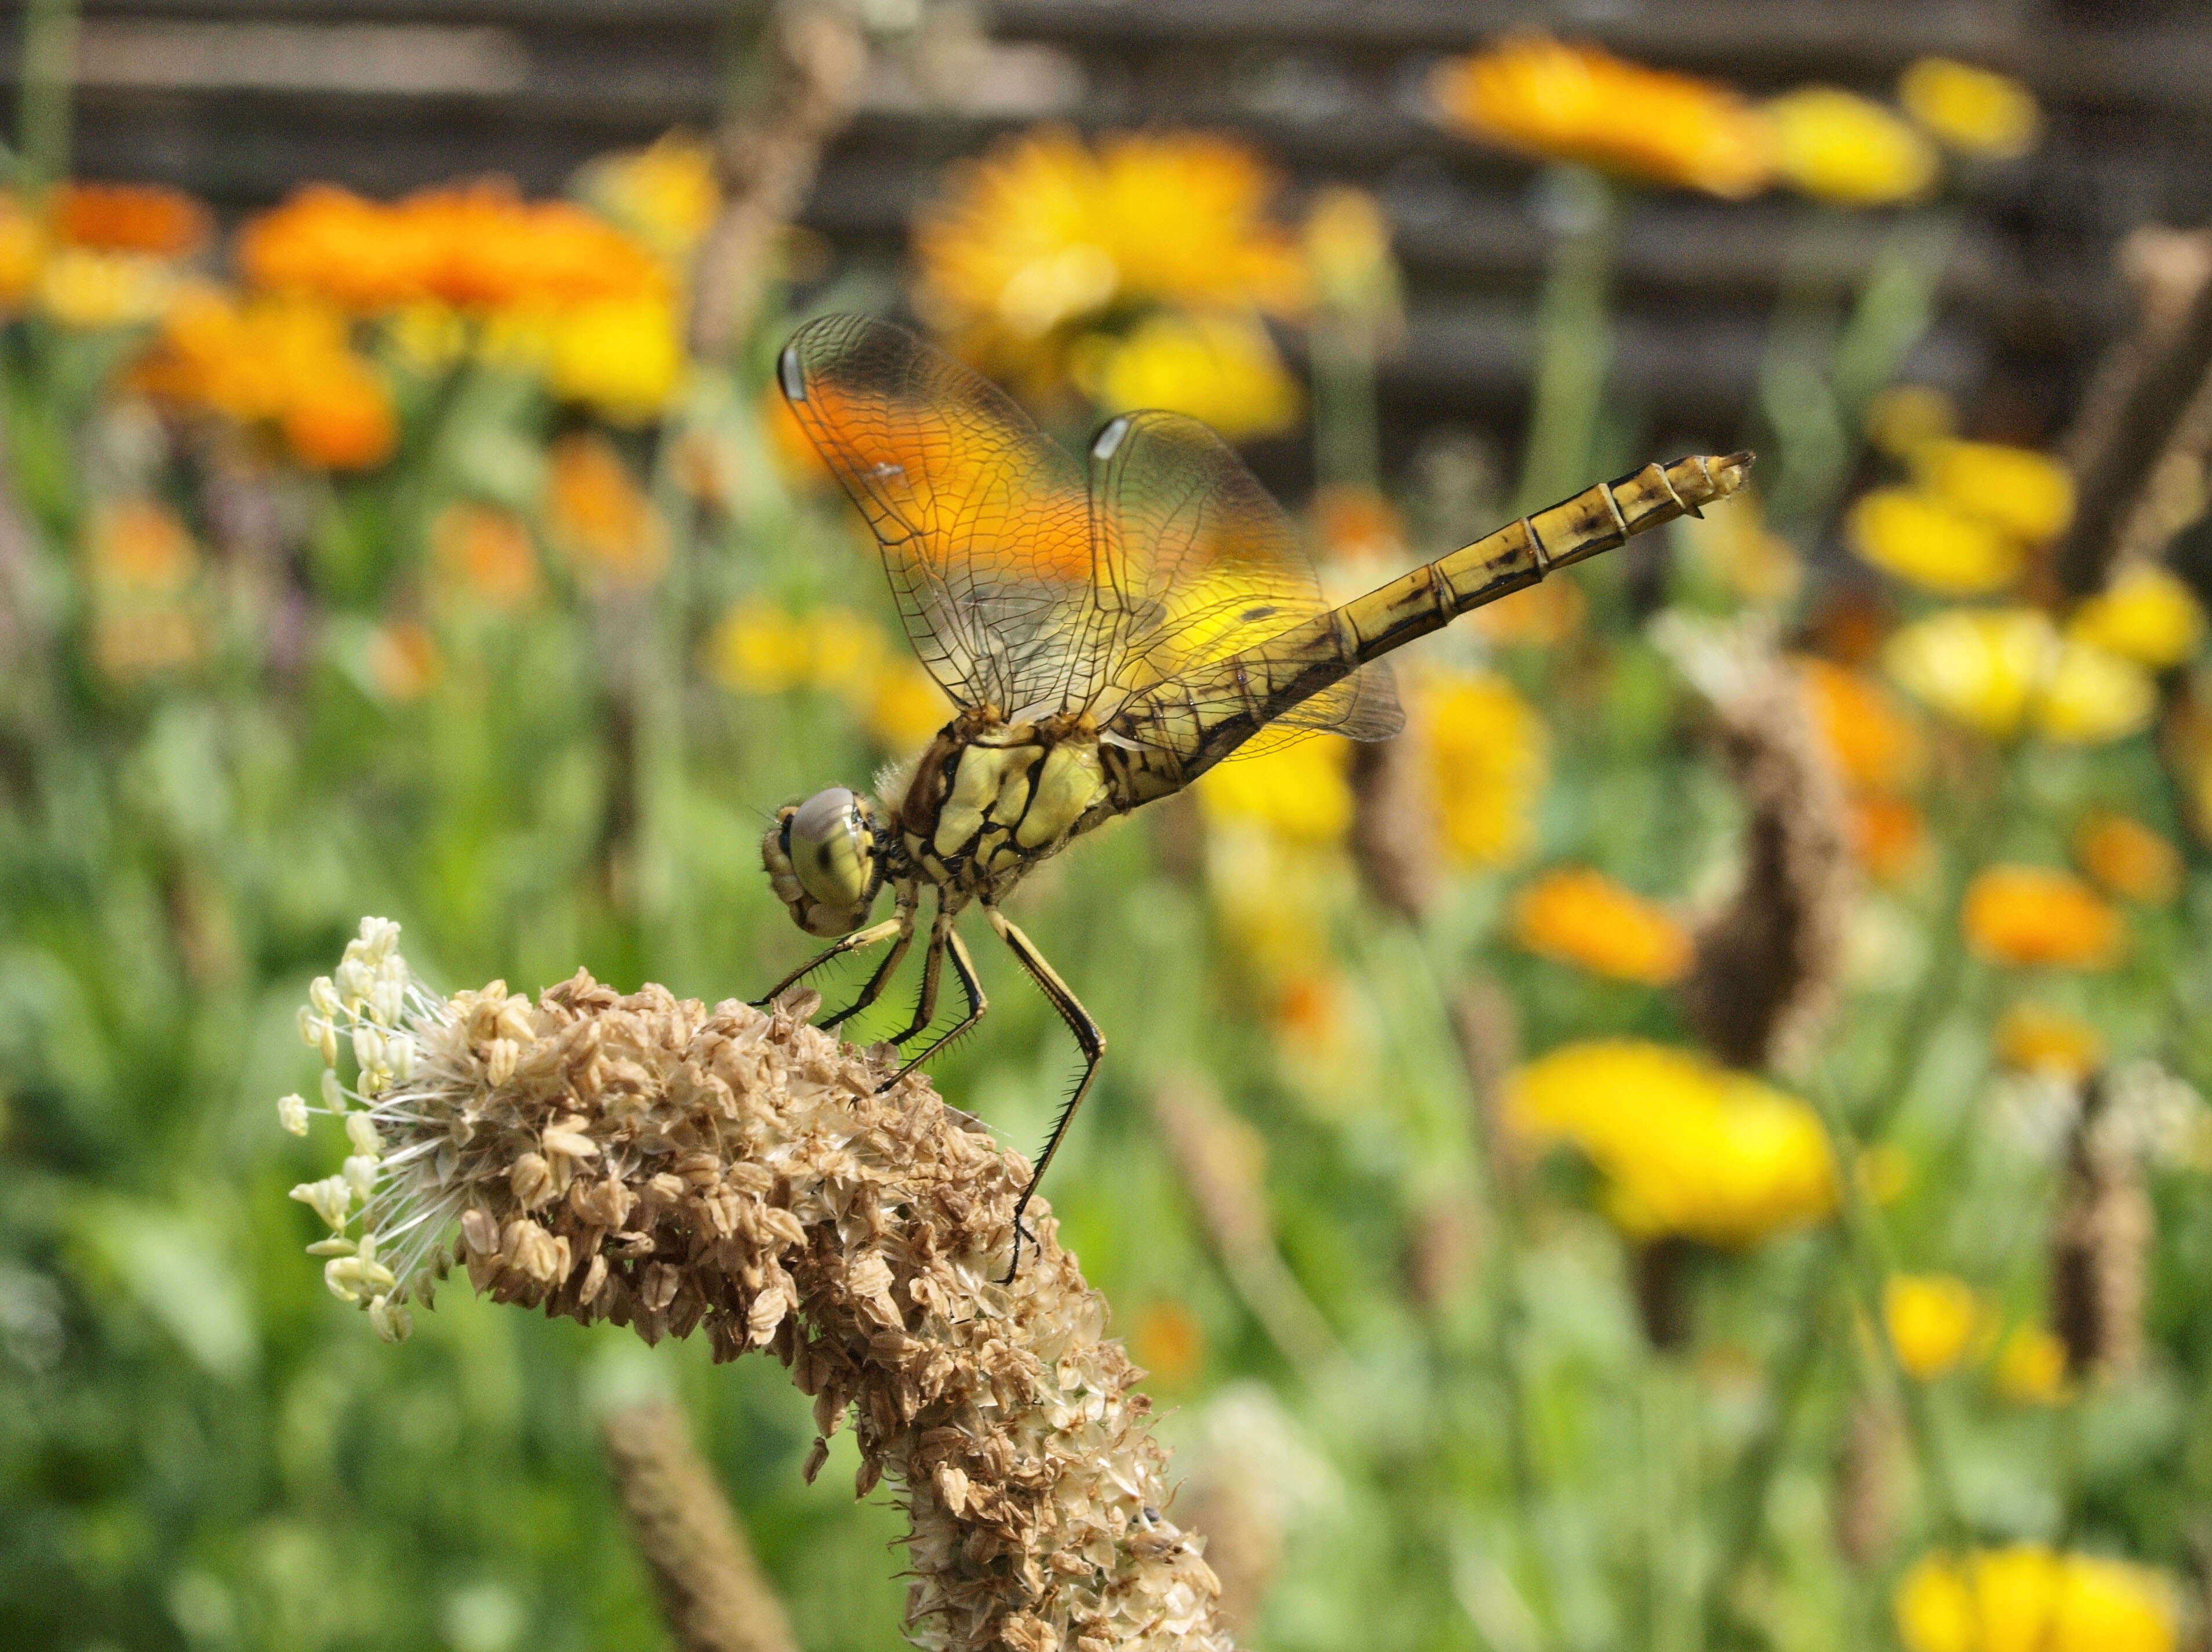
(2147, 614)
(2026, 1599)
(1839, 147)
(1979, 666)
(1932, 1318)
(2028, 493)
(1301, 792)
(1488, 752)
(1222, 369)
(2092, 696)
(2031, 1367)
(1974, 111)
(1921, 539)
(622, 356)
(1904, 418)
(1685, 1147)
(2033, 1037)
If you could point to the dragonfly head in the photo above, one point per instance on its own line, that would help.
(822, 861)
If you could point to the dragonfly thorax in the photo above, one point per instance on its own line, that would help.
(990, 798)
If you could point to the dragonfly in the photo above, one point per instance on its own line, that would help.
(1106, 631)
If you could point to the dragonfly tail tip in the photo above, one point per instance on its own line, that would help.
(1730, 471)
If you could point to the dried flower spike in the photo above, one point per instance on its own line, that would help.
(643, 1160)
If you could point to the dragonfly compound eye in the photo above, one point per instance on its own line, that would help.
(821, 858)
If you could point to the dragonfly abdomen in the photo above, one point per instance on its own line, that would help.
(1262, 684)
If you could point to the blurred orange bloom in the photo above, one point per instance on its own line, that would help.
(129, 218)
(2033, 1037)
(2034, 916)
(1358, 525)
(1876, 744)
(599, 518)
(1581, 917)
(1541, 616)
(1887, 835)
(404, 661)
(478, 245)
(1577, 103)
(487, 552)
(341, 420)
(2129, 858)
(138, 545)
(1169, 1342)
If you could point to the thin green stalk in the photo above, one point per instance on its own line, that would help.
(1347, 436)
(45, 113)
(665, 920)
(1574, 338)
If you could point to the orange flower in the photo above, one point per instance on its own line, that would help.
(138, 546)
(488, 552)
(1887, 835)
(129, 218)
(1169, 1342)
(2031, 916)
(404, 662)
(1358, 525)
(2035, 1038)
(479, 245)
(1875, 743)
(1542, 616)
(599, 517)
(1581, 917)
(1577, 103)
(343, 421)
(2129, 858)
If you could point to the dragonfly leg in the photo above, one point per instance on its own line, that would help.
(932, 971)
(1089, 1038)
(963, 970)
(902, 923)
(858, 940)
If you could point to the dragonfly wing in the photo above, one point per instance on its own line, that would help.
(984, 522)
(1198, 563)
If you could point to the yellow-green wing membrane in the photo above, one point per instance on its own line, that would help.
(1197, 564)
(984, 522)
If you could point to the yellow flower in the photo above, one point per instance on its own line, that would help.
(2129, 858)
(2029, 917)
(1992, 669)
(1973, 110)
(1577, 103)
(1932, 1318)
(1685, 1147)
(90, 291)
(1169, 1341)
(1904, 418)
(905, 706)
(1046, 231)
(2031, 1367)
(138, 547)
(1489, 758)
(1918, 538)
(2026, 1599)
(2033, 1037)
(1347, 247)
(1220, 368)
(665, 194)
(22, 251)
(2147, 614)
(1584, 918)
(2029, 493)
(1301, 792)
(622, 355)
(2092, 696)
(1541, 616)
(1839, 147)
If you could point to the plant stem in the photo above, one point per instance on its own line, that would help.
(49, 78)
(1574, 336)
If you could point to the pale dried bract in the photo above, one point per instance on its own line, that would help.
(648, 1162)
